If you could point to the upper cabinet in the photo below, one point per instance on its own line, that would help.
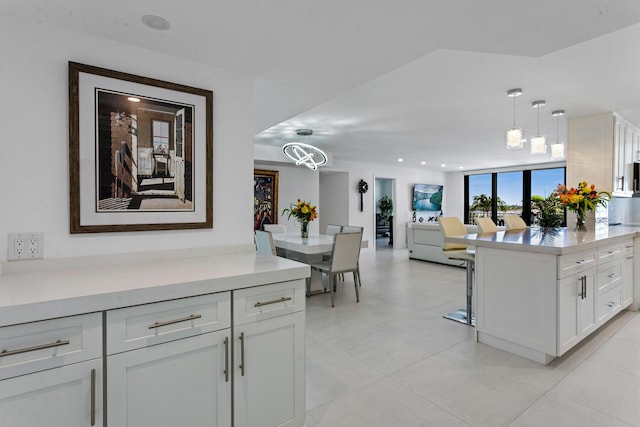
(626, 138)
(602, 150)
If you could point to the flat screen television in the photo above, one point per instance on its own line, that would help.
(427, 197)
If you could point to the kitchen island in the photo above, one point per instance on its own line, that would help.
(541, 291)
(190, 338)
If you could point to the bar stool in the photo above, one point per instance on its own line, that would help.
(514, 222)
(452, 226)
(486, 225)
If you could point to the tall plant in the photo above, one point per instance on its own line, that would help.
(548, 210)
(385, 204)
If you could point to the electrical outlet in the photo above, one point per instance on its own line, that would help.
(25, 246)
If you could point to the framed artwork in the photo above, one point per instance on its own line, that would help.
(265, 198)
(140, 153)
(427, 197)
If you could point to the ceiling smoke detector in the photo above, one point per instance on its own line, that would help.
(156, 22)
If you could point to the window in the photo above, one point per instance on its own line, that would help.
(497, 193)
(160, 136)
(545, 181)
(479, 197)
(510, 195)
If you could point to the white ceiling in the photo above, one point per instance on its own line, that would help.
(381, 79)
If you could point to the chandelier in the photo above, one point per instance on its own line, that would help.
(304, 154)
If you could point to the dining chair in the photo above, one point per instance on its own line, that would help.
(486, 225)
(452, 226)
(352, 229)
(332, 229)
(514, 222)
(344, 259)
(275, 228)
(264, 243)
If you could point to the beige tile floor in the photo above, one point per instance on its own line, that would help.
(393, 361)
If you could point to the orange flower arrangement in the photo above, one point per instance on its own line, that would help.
(582, 199)
(303, 211)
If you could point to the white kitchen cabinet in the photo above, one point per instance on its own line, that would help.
(69, 396)
(269, 356)
(178, 383)
(171, 363)
(269, 372)
(576, 308)
(168, 363)
(609, 141)
(625, 147)
(156, 348)
(51, 373)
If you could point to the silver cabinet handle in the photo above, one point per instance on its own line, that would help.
(583, 261)
(242, 354)
(171, 322)
(611, 275)
(93, 397)
(583, 287)
(58, 343)
(226, 359)
(275, 301)
(612, 304)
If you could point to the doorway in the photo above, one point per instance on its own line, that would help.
(384, 209)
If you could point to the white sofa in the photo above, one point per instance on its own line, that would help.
(425, 243)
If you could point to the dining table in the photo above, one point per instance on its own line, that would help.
(307, 250)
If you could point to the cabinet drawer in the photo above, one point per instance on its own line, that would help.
(575, 263)
(609, 277)
(36, 346)
(263, 302)
(612, 251)
(609, 303)
(144, 325)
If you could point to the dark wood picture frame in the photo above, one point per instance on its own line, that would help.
(140, 153)
(265, 197)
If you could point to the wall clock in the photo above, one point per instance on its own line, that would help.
(362, 188)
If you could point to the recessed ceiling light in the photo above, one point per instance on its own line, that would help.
(460, 167)
(133, 99)
(423, 163)
(156, 22)
(443, 165)
(401, 159)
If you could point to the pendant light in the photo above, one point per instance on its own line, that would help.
(304, 154)
(514, 135)
(557, 149)
(538, 143)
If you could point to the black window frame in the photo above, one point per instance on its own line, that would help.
(526, 191)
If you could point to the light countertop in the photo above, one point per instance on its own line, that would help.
(31, 296)
(556, 241)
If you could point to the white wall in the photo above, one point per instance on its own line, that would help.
(34, 112)
(295, 182)
(453, 197)
(334, 199)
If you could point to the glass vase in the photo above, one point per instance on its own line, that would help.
(304, 229)
(581, 218)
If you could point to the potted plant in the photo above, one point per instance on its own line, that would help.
(385, 204)
(549, 210)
